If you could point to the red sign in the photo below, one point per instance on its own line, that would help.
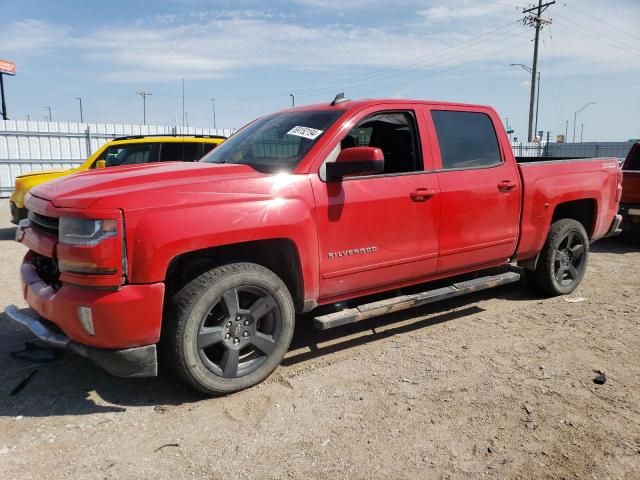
(7, 67)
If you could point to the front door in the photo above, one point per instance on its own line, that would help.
(378, 230)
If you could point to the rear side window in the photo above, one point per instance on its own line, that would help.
(171, 152)
(466, 139)
(192, 152)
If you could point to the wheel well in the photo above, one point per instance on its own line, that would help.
(584, 211)
(278, 255)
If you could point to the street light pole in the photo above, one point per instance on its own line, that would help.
(50, 117)
(530, 71)
(575, 118)
(293, 100)
(81, 116)
(144, 96)
(213, 107)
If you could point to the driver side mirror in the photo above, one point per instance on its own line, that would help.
(101, 164)
(356, 161)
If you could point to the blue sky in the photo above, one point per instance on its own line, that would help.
(251, 55)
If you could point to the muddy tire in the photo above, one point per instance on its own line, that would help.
(563, 259)
(228, 328)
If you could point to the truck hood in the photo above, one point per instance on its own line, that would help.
(155, 184)
(46, 173)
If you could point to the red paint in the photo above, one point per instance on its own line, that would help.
(362, 235)
(631, 179)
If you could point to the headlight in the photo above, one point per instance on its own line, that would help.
(81, 231)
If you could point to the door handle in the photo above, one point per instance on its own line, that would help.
(507, 185)
(422, 194)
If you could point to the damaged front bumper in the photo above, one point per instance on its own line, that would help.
(129, 362)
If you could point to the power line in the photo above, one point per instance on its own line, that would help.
(600, 21)
(582, 29)
(384, 73)
(448, 69)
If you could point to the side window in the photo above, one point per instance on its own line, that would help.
(191, 151)
(171, 152)
(128, 154)
(208, 147)
(392, 132)
(466, 139)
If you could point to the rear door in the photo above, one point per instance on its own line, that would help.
(480, 189)
(377, 230)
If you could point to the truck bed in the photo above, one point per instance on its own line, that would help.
(550, 182)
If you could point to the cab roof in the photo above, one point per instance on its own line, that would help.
(348, 104)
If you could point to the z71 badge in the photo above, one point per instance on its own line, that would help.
(350, 252)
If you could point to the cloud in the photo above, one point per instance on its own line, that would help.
(462, 10)
(32, 37)
(217, 43)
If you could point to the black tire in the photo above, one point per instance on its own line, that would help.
(563, 259)
(228, 328)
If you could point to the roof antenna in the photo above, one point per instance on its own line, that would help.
(339, 99)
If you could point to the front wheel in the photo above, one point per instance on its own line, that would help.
(563, 259)
(229, 328)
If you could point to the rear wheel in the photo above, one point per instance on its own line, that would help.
(563, 259)
(229, 328)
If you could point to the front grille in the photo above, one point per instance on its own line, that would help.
(44, 223)
(47, 270)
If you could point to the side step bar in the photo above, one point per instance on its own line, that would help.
(403, 302)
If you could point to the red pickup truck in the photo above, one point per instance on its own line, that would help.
(315, 206)
(630, 201)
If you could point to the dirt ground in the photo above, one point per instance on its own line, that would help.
(494, 385)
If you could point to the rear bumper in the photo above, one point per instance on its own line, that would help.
(17, 213)
(130, 362)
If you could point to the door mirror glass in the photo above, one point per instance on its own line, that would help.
(356, 161)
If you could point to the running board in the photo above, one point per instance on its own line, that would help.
(403, 302)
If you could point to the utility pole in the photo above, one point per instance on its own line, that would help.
(213, 108)
(535, 20)
(293, 100)
(144, 96)
(50, 117)
(81, 116)
(566, 130)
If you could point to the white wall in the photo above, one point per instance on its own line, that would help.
(34, 146)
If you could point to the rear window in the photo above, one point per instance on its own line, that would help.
(466, 139)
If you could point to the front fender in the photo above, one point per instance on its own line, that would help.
(161, 235)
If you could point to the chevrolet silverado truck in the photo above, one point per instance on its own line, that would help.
(630, 201)
(309, 209)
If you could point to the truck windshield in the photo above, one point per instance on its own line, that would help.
(275, 142)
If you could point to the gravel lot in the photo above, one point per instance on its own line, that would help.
(493, 385)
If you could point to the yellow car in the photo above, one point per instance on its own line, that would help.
(130, 150)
